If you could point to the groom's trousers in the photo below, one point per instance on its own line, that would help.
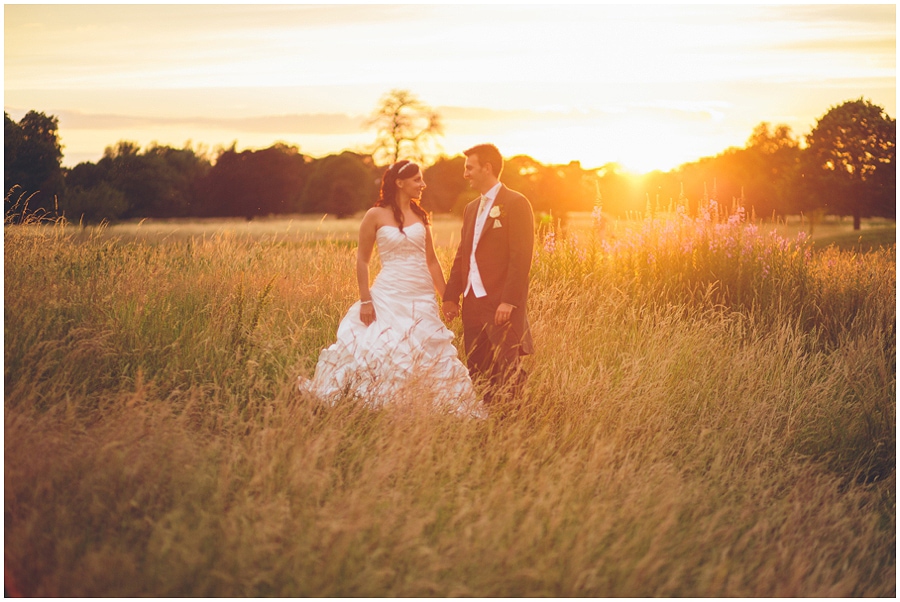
(492, 352)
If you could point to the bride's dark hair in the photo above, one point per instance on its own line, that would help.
(388, 196)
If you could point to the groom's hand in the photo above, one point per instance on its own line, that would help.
(451, 310)
(504, 311)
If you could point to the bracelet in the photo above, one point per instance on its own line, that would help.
(364, 302)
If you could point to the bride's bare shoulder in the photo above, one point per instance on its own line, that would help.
(379, 213)
(379, 216)
(374, 215)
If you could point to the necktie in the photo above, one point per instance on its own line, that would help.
(482, 204)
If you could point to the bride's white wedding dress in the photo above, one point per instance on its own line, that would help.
(407, 353)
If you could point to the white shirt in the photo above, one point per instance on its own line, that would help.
(475, 284)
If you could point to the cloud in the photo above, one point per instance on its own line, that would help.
(318, 123)
(680, 109)
(880, 15)
(885, 46)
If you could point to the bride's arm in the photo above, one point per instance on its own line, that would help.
(363, 254)
(434, 266)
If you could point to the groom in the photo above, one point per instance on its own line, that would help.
(490, 272)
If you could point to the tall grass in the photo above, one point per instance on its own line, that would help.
(695, 424)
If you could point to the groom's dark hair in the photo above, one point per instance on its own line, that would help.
(487, 153)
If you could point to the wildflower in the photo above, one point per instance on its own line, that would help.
(580, 253)
(597, 216)
(737, 217)
(550, 242)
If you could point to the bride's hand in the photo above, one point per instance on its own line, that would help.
(367, 313)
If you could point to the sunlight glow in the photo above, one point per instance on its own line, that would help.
(646, 86)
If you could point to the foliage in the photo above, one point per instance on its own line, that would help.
(251, 183)
(341, 184)
(763, 175)
(773, 171)
(680, 434)
(32, 158)
(182, 170)
(447, 190)
(406, 128)
(161, 181)
(556, 189)
(95, 204)
(850, 165)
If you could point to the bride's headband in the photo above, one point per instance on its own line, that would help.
(403, 166)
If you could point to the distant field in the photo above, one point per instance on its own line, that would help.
(446, 229)
(289, 228)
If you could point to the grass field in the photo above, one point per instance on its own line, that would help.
(710, 411)
(446, 229)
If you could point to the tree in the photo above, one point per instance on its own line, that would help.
(32, 159)
(553, 189)
(772, 164)
(95, 203)
(849, 163)
(159, 182)
(341, 184)
(181, 169)
(447, 189)
(762, 176)
(405, 126)
(90, 196)
(250, 183)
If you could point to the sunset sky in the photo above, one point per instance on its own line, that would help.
(648, 86)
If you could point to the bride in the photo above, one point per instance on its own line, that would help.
(392, 345)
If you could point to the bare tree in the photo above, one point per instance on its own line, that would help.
(405, 127)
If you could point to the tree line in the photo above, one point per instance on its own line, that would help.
(845, 167)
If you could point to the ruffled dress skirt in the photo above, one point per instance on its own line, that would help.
(406, 355)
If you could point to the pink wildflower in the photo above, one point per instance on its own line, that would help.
(550, 242)
(597, 216)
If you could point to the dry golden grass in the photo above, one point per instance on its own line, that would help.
(155, 446)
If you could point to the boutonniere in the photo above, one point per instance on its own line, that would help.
(495, 212)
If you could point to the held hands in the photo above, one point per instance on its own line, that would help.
(501, 316)
(451, 310)
(367, 312)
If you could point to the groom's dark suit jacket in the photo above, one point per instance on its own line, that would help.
(504, 255)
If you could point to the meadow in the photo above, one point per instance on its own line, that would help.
(710, 411)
